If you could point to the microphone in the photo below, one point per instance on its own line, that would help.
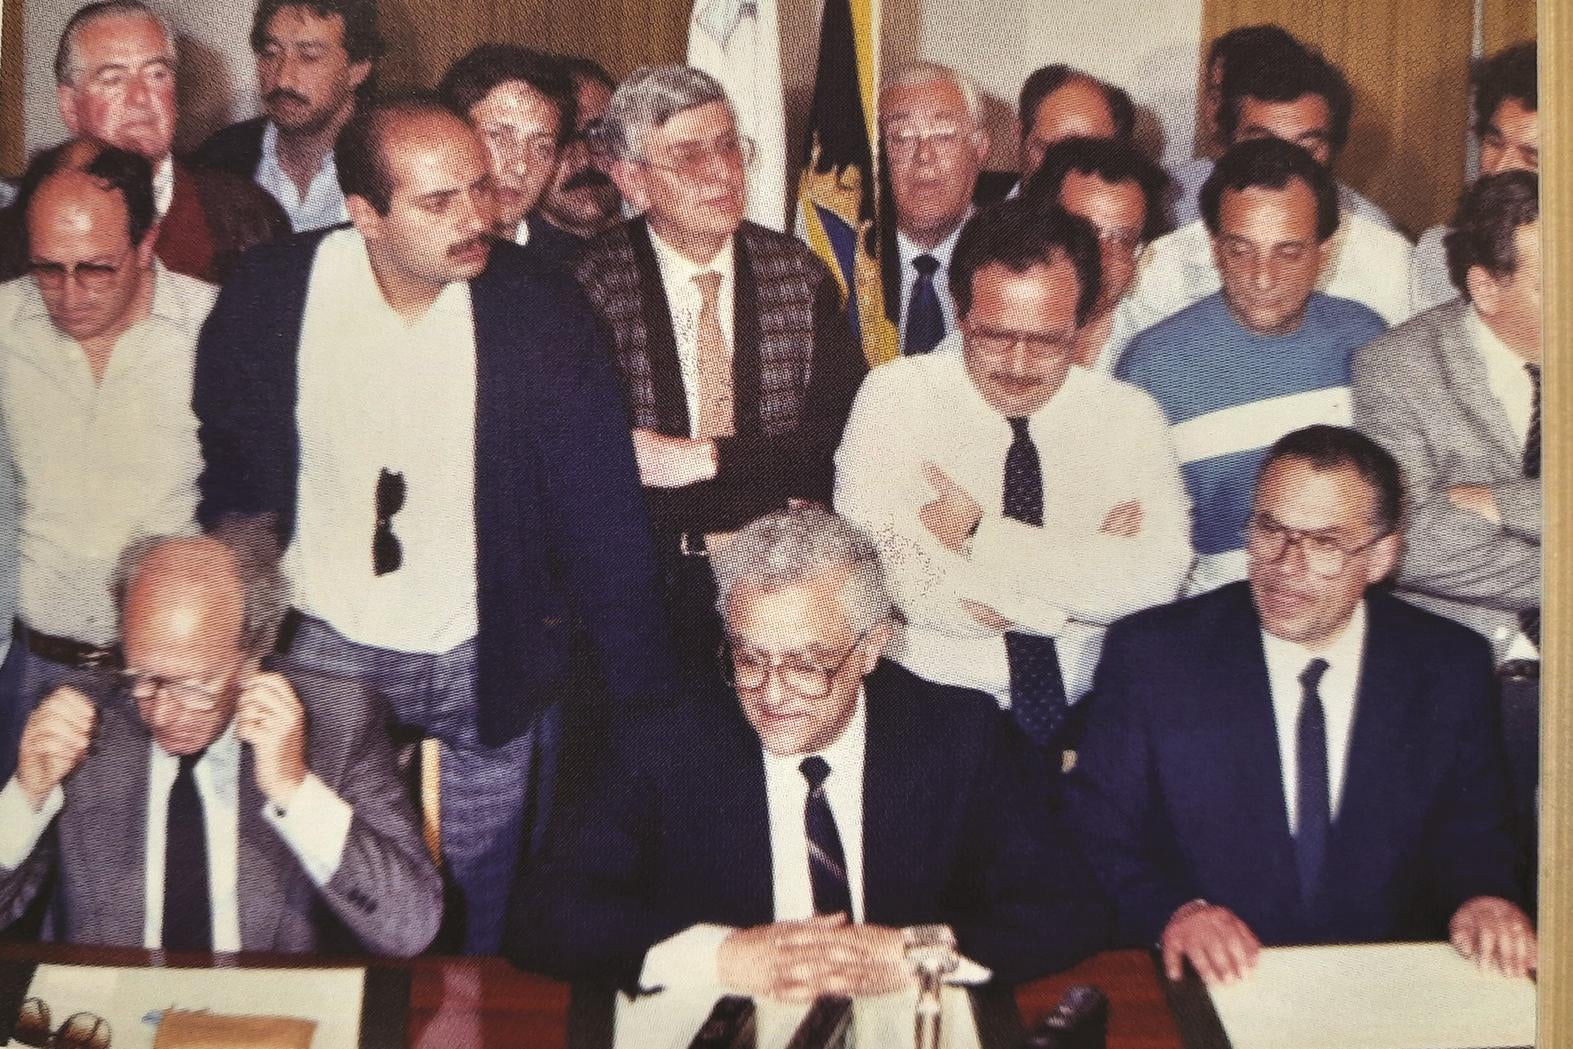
(730, 1025)
(1079, 1021)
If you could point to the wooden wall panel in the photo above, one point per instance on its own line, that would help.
(11, 115)
(1408, 64)
(1508, 22)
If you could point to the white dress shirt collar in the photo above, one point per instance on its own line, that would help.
(679, 271)
(1505, 374)
(164, 185)
(1339, 689)
(323, 202)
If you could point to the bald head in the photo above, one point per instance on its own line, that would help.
(185, 592)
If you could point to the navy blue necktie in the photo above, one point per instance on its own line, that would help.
(827, 864)
(1313, 813)
(1037, 688)
(188, 914)
(925, 320)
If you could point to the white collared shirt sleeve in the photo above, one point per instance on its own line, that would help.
(315, 827)
(21, 825)
(1069, 569)
(685, 959)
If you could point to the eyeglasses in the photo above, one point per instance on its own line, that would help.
(537, 145)
(198, 697)
(1268, 540)
(745, 670)
(992, 342)
(590, 134)
(82, 1030)
(902, 141)
(691, 161)
(1124, 241)
(387, 553)
(89, 276)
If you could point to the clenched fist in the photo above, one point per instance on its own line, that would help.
(54, 741)
(270, 718)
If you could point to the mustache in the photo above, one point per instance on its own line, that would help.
(469, 245)
(590, 177)
(285, 95)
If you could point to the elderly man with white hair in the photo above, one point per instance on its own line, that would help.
(931, 124)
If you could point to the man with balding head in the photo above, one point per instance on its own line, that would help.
(197, 801)
(456, 489)
(96, 347)
(115, 75)
(1059, 102)
(931, 124)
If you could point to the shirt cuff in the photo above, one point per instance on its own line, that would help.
(20, 825)
(685, 959)
(314, 827)
(969, 973)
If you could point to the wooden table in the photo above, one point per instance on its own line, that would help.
(458, 1003)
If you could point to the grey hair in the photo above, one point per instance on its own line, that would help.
(251, 541)
(913, 74)
(792, 546)
(65, 52)
(648, 99)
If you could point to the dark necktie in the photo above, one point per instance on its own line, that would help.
(1037, 689)
(188, 918)
(925, 320)
(1529, 619)
(1313, 808)
(827, 864)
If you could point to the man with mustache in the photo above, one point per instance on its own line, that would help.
(313, 58)
(1302, 758)
(522, 104)
(115, 71)
(455, 488)
(1265, 355)
(736, 357)
(582, 199)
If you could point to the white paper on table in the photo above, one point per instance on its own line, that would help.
(125, 996)
(1374, 996)
(670, 1019)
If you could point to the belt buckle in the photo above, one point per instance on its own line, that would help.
(687, 550)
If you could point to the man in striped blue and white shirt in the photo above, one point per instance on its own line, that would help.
(1265, 355)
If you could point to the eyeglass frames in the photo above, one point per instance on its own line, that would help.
(82, 1030)
(387, 553)
(743, 669)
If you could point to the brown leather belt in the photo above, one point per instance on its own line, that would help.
(68, 651)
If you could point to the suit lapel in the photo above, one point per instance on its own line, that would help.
(265, 870)
(671, 404)
(110, 795)
(898, 803)
(746, 364)
(1468, 380)
(1245, 706)
(1377, 750)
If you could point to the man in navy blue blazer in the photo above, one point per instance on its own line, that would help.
(799, 838)
(433, 422)
(1296, 758)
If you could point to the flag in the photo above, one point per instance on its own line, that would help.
(739, 43)
(839, 193)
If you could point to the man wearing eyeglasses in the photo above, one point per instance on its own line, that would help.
(434, 421)
(115, 70)
(1022, 502)
(313, 58)
(523, 105)
(1117, 189)
(930, 120)
(97, 345)
(202, 803)
(582, 199)
(802, 837)
(1265, 355)
(733, 346)
(1300, 758)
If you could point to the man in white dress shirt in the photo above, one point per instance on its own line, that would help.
(97, 344)
(196, 801)
(943, 456)
(931, 123)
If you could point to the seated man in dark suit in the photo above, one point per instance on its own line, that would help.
(203, 803)
(779, 845)
(1294, 759)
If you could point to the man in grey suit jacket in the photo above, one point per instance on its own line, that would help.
(203, 803)
(1454, 394)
